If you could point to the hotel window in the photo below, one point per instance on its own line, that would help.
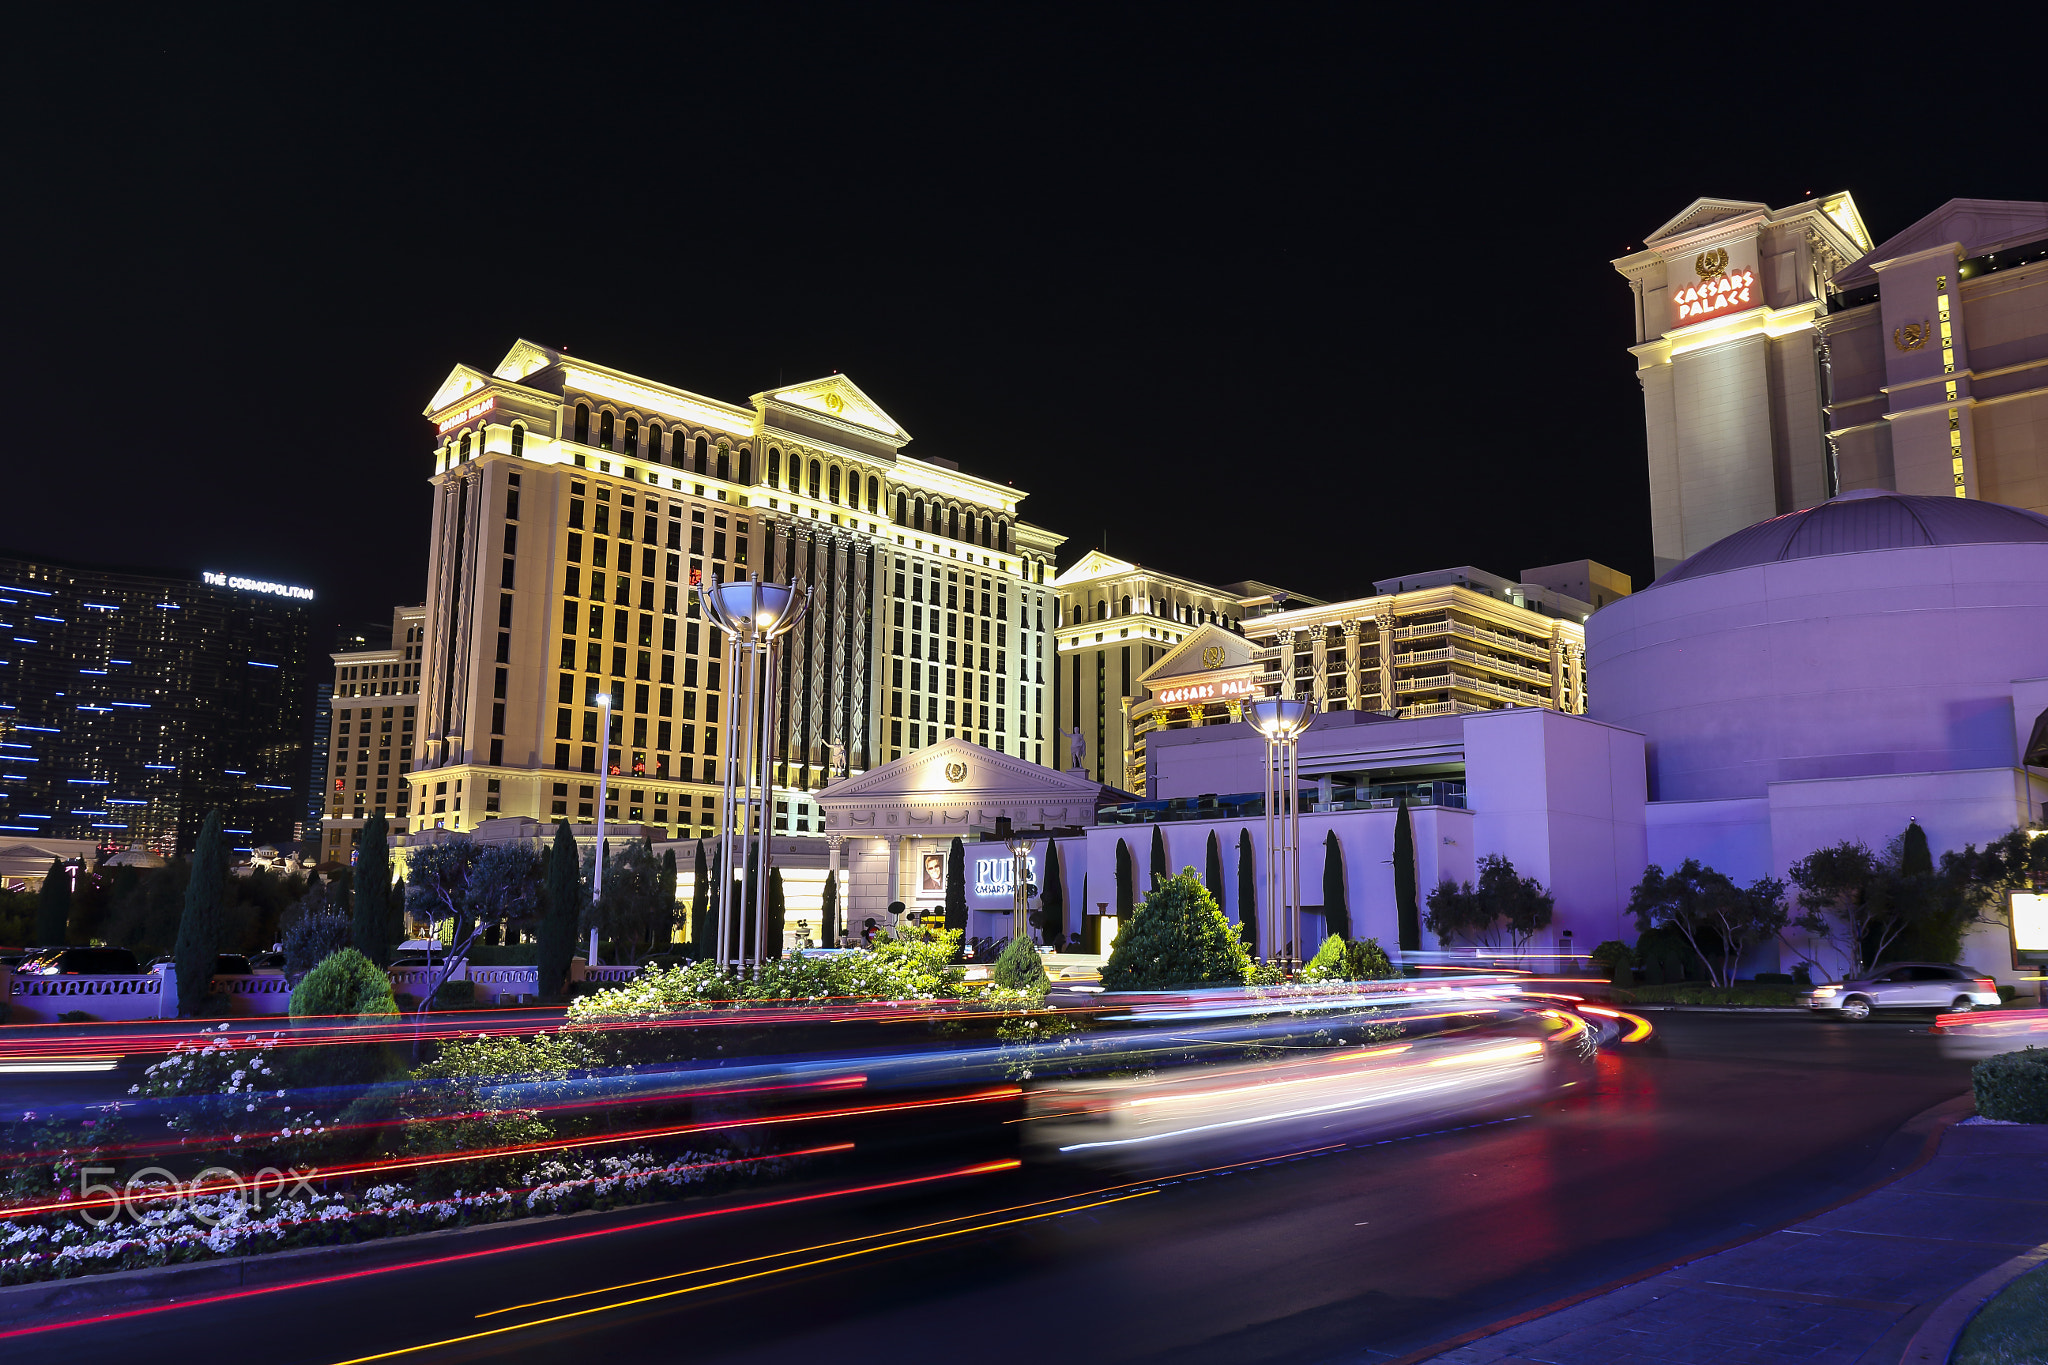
(902, 517)
(833, 495)
(874, 494)
(817, 477)
(582, 424)
(774, 467)
(518, 441)
(604, 429)
(746, 465)
(724, 461)
(632, 446)
(703, 449)
(654, 451)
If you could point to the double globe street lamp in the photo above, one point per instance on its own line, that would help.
(1281, 720)
(755, 616)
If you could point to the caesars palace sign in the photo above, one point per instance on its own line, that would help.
(1719, 291)
(1208, 691)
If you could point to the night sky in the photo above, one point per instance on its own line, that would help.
(1312, 296)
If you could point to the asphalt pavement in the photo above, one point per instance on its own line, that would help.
(1716, 1128)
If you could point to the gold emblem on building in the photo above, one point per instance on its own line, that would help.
(834, 403)
(1713, 263)
(1212, 657)
(956, 771)
(1912, 336)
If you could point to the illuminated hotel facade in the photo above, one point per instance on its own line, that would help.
(372, 722)
(575, 508)
(1143, 652)
(1785, 358)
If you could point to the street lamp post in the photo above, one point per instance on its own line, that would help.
(604, 772)
(1020, 889)
(1281, 720)
(754, 616)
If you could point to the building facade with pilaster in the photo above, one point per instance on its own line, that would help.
(372, 722)
(576, 509)
(1786, 359)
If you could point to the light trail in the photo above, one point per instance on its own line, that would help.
(1635, 1035)
(980, 1168)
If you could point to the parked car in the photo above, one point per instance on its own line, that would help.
(79, 962)
(267, 962)
(224, 964)
(1906, 985)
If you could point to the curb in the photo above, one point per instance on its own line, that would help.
(1724, 1009)
(1936, 1340)
(1936, 1120)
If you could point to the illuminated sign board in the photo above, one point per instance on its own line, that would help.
(474, 410)
(1723, 294)
(1208, 691)
(262, 585)
(992, 876)
(2029, 922)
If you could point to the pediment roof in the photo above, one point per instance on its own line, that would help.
(1704, 212)
(837, 399)
(1094, 564)
(1190, 658)
(988, 778)
(462, 381)
(1980, 226)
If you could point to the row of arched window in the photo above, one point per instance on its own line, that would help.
(699, 456)
(826, 482)
(952, 520)
(1102, 610)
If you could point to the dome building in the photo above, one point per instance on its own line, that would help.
(1835, 673)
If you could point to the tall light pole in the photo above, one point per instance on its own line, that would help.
(1281, 720)
(754, 616)
(1020, 889)
(604, 772)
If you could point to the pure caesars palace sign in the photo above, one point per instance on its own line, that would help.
(992, 876)
(1719, 291)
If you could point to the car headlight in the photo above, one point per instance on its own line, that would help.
(1823, 992)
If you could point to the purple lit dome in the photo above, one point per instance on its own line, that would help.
(1868, 519)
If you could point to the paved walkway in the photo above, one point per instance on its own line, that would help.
(1851, 1285)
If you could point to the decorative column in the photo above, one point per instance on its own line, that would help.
(1385, 622)
(1354, 669)
(1558, 700)
(1319, 650)
(828, 934)
(1287, 664)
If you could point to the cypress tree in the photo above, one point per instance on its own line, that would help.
(1406, 905)
(1124, 873)
(1212, 872)
(775, 913)
(565, 900)
(199, 927)
(372, 919)
(1159, 872)
(1915, 859)
(703, 925)
(1336, 910)
(53, 905)
(1052, 900)
(665, 913)
(828, 913)
(956, 886)
(1247, 893)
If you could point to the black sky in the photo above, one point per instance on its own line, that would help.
(1309, 295)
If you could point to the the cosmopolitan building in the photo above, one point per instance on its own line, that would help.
(133, 703)
(575, 507)
(1785, 358)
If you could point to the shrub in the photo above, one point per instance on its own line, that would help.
(1615, 958)
(484, 1092)
(1178, 937)
(344, 983)
(1020, 968)
(455, 995)
(312, 938)
(2013, 1086)
(1337, 960)
(1328, 962)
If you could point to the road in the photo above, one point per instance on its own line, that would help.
(1716, 1127)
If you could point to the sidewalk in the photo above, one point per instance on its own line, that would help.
(1851, 1285)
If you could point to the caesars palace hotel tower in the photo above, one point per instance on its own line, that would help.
(1785, 358)
(575, 506)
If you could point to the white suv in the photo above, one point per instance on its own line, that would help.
(1906, 985)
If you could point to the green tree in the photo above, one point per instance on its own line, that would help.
(956, 887)
(630, 904)
(1159, 872)
(1914, 858)
(565, 899)
(1052, 900)
(1125, 874)
(1336, 906)
(504, 886)
(703, 920)
(1719, 920)
(1407, 908)
(1019, 968)
(437, 886)
(1179, 937)
(1503, 902)
(828, 912)
(372, 890)
(344, 983)
(53, 905)
(1212, 868)
(1247, 894)
(777, 913)
(199, 927)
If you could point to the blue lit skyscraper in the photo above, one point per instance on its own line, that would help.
(132, 703)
